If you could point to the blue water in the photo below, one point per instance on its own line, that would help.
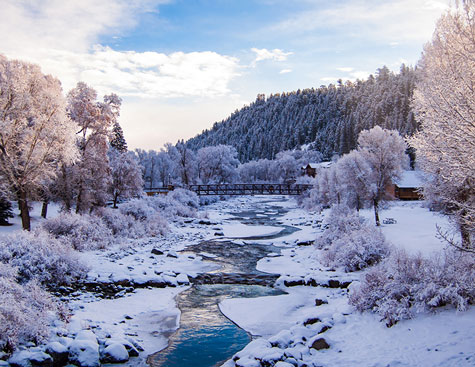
(206, 338)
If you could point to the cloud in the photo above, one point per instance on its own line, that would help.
(145, 74)
(265, 54)
(59, 35)
(391, 21)
(285, 71)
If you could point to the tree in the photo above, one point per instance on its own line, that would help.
(217, 164)
(36, 135)
(384, 152)
(117, 138)
(91, 174)
(444, 101)
(185, 160)
(126, 176)
(5, 210)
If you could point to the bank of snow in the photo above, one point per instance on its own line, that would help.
(288, 327)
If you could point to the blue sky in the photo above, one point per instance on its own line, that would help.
(181, 65)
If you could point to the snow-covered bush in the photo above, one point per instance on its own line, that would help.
(185, 197)
(40, 257)
(25, 310)
(357, 250)
(120, 224)
(139, 209)
(349, 242)
(172, 206)
(83, 232)
(406, 284)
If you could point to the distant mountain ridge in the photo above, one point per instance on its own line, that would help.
(328, 118)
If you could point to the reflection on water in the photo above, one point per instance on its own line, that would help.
(206, 338)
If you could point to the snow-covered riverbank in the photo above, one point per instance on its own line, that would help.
(284, 327)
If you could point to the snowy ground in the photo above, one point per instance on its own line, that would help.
(150, 315)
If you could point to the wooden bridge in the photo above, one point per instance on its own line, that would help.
(250, 189)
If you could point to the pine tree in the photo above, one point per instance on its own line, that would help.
(5, 210)
(117, 138)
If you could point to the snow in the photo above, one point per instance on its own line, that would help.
(443, 339)
(411, 179)
(239, 230)
(153, 313)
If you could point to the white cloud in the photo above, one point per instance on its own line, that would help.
(391, 21)
(345, 69)
(285, 71)
(145, 74)
(265, 54)
(59, 35)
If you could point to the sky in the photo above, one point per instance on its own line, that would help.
(181, 65)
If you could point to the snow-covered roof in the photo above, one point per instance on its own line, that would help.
(411, 179)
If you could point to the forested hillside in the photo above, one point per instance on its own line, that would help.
(330, 117)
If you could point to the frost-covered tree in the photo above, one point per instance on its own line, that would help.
(384, 152)
(91, 173)
(444, 101)
(288, 167)
(354, 173)
(186, 163)
(217, 164)
(126, 176)
(36, 134)
(117, 140)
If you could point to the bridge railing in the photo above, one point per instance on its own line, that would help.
(250, 189)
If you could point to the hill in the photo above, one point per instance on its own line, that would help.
(328, 118)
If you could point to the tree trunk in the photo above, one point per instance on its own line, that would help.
(24, 211)
(116, 196)
(44, 209)
(376, 212)
(465, 235)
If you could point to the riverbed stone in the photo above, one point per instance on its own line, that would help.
(58, 352)
(320, 344)
(27, 358)
(115, 353)
(84, 353)
(156, 251)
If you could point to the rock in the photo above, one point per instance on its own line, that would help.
(129, 346)
(320, 344)
(204, 222)
(311, 321)
(156, 251)
(219, 234)
(27, 358)
(59, 353)
(305, 243)
(127, 317)
(84, 353)
(172, 254)
(182, 279)
(319, 302)
(115, 353)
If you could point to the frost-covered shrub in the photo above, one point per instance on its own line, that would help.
(25, 310)
(40, 257)
(185, 197)
(357, 249)
(121, 225)
(83, 232)
(156, 225)
(349, 242)
(405, 284)
(172, 208)
(139, 209)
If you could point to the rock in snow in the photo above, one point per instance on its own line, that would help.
(115, 353)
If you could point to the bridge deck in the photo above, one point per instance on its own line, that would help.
(250, 189)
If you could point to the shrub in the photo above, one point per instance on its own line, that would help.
(139, 209)
(357, 250)
(25, 310)
(404, 284)
(185, 197)
(121, 225)
(349, 242)
(38, 256)
(83, 232)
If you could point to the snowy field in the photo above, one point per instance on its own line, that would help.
(150, 315)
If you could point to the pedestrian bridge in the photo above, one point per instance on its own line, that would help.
(250, 189)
